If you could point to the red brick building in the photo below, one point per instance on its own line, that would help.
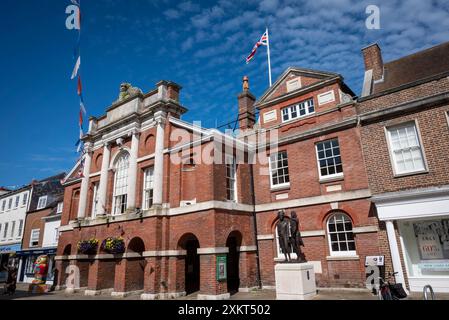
(183, 197)
(144, 179)
(318, 172)
(405, 133)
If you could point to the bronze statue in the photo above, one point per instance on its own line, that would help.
(295, 237)
(283, 229)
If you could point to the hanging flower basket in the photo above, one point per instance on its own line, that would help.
(113, 245)
(88, 246)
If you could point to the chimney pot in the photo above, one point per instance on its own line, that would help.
(245, 83)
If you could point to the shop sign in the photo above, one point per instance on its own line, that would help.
(433, 239)
(375, 261)
(221, 268)
(9, 248)
(434, 265)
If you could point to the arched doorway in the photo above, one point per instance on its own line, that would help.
(61, 275)
(135, 266)
(190, 243)
(233, 243)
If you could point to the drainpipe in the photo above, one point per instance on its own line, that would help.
(253, 198)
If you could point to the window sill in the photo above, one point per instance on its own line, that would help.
(408, 174)
(342, 258)
(280, 188)
(304, 117)
(332, 179)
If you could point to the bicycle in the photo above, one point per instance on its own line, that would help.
(390, 290)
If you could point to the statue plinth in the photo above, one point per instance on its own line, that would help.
(295, 281)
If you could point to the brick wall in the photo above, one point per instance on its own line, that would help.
(34, 220)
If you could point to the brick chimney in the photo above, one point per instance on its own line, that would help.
(246, 101)
(372, 56)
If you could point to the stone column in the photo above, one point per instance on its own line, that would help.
(159, 161)
(394, 250)
(132, 171)
(85, 182)
(103, 186)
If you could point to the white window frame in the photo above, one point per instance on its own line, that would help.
(43, 204)
(95, 199)
(347, 253)
(60, 207)
(230, 162)
(20, 229)
(125, 178)
(329, 176)
(280, 255)
(5, 230)
(10, 203)
(149, 189)
(33, 236)
(56, 235)
(387, 130)
(296, 109)
(13, 228)
(4, 205)
(24, 199)
(279, 185)
(16, 203)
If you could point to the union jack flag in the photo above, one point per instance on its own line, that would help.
(262, 42)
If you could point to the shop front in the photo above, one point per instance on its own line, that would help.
(6, 253)
(417, 224)
(27, 260)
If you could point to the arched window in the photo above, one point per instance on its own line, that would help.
(121, 183)
(341, 238)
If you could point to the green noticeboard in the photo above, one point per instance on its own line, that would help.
(222, 273)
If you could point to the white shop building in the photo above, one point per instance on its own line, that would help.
(421, 244)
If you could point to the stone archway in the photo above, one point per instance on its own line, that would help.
(60, 277)
(233, 243)
(189, 242)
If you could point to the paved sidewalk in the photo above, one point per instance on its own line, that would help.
(335, 294)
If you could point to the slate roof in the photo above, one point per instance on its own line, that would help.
(50, 187)
(418, 66)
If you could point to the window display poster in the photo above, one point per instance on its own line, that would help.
(433, 239)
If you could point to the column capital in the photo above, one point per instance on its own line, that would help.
(134, 132)
(160, 121)
(106, 144)
(88, 147)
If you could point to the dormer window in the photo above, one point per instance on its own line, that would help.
(60, 207)
(298, 111)
(42, 203)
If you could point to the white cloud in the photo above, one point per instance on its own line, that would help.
(269, 5)
(172, 14)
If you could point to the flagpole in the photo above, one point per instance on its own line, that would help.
(268, 54)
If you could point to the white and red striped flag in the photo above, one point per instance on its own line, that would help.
(264, 41)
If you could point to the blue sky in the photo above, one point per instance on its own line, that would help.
(200, 45)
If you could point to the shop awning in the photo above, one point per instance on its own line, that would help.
(10, 248)
(34, 252)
